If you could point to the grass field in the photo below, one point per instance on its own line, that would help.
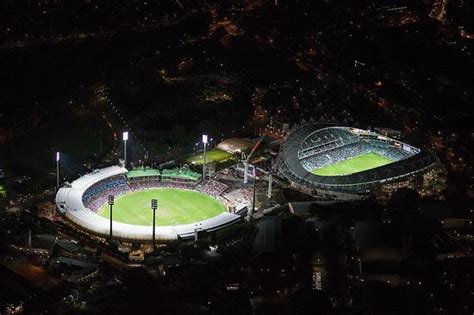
(353, 165)
(175, 206)
(215, 155)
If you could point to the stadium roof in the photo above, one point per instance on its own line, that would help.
(292, 146)
(96, 176)
(143, 172)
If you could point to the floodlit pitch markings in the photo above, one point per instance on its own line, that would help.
(215, 155)
(176, 207)
(356, 164)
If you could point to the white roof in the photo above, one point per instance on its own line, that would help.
(96, 176)
(69, 202)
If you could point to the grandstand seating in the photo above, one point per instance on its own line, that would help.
(96, 195)
(149, 184)
(213, 188)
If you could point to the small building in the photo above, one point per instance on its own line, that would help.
(74, 270)
(380, 252)
(71, 249)
(269, 236)
(40, 244)
(234, 145)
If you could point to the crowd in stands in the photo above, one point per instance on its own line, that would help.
(96, 196)
(325, 139)
(212, 187)
(324, 148)
(106, 184)
(149, 184)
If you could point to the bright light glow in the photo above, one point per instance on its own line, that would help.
(57, 156)
(125, 136)
(204, 139)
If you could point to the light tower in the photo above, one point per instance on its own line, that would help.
(254, 197)
(125, 138)
(204, 143)
(154, 206)
(57, 170)
(111, 203)
(270, 182)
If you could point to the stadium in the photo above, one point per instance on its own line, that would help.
(348, 160)
(185, 204)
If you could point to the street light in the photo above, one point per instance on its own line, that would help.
(125, 138)
(111, 203)
(204, 143)
(57, 170)
(154, 206)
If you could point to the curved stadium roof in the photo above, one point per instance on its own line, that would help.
(356, 181)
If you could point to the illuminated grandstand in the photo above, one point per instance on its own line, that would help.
(186, 205)
(344, 159)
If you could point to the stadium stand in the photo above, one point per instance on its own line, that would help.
(149, 184)
(212, 188)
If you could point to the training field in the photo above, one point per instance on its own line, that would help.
(353, 165)
(175, 207)
(215, 155)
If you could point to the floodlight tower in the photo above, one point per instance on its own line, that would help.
(57, 170)
(246, 159)
(111, 203)
(125, 138)
(270, 178)
(154, 206)
(254, 197)
(204, 143)
(270, 182)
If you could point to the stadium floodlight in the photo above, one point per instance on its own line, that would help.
(125, 138)
(111, 202)
(204, 143)
(254, 198)
(154, 206)
(57, 170)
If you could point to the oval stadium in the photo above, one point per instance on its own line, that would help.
(185, 205)
(348, 160)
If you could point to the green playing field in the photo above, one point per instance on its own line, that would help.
(353, 165)
(215, 155)
(175, 206)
